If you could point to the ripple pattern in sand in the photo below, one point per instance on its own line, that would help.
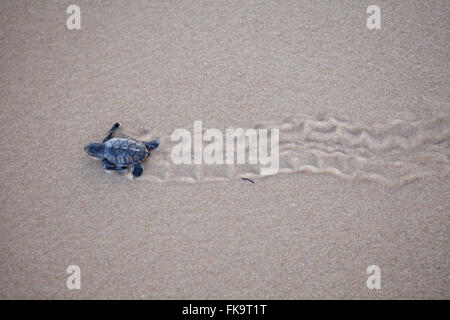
(394, 153)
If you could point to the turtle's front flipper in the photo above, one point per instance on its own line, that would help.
(137, 170)
(152, 144)
(110, 133)
(110, 166)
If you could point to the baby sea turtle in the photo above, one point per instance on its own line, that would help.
(121, 153)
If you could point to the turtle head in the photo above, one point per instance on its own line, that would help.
(95, 150)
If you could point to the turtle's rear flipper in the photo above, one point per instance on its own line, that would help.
(110, 133)
(152, 144)
(137, 170)
(111, 166)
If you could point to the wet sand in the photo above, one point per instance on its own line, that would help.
(364, 150)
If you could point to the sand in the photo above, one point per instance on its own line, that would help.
(364, 140)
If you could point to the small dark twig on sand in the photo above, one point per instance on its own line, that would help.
(247, 179)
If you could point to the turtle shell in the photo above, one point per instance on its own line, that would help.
(125, 151)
